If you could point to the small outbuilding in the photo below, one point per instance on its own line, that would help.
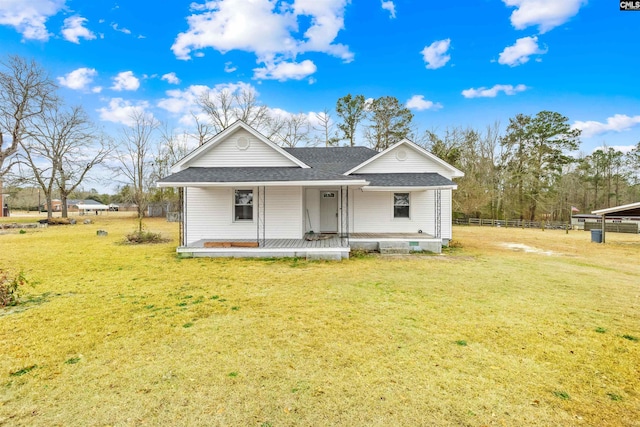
(621, 213)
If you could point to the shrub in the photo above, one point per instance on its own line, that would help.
(142, 237)
(58, 221)
(10, 288)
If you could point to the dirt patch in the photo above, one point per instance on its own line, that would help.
(519, 247)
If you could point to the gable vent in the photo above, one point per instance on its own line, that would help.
(401, 154)
(242, 143)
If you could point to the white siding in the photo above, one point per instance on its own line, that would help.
(414, 163)
(227, 154)
(372, 212)
(283, 216)
(210, 214)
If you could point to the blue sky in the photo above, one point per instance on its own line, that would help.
(453, 63)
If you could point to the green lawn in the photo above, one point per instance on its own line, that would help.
(490, 333)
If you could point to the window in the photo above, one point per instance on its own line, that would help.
(243, 205)
(401, 205)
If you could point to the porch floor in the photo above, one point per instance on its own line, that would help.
(332, 242)
(333, 248)
(325, 247)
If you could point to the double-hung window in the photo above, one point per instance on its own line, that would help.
(243, 205)
(401, 205)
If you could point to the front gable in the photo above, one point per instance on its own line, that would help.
(238, 146)
(406, 157)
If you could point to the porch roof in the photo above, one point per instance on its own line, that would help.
(198, 176)
(414, 180)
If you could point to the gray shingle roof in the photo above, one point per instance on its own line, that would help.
(335, 159)
(405, 179)
(326, 164)
(254, 174)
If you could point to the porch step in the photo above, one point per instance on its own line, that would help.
(394, 247)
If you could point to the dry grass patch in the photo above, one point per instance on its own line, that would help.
(485, 335)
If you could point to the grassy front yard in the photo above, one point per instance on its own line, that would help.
(514, 327)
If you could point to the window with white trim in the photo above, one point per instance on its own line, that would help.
(243, 205)
(401, 205)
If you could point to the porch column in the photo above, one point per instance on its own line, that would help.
(344, 214)
(261, 216)
(182, 215)
(438, 214)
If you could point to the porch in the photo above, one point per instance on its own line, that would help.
(332, 247)
(324, 246)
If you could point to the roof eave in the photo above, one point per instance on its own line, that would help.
(318, 183)
(408, 188)
(617, 209)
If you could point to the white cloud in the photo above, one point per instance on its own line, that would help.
(616, 123)
(184, 103)
(275, 32)
(125, 81)
(546, 14)
(229, 68)
(623, 148)
(121, 111)
(29, 18)
(171, 78)
(388, 5)
(283, 71)
(483, 92)
(122, 30)
(435, 55)
(417, 102)
(520, 52)
(79, 79)
(74, 29)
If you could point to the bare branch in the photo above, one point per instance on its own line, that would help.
(26, 91)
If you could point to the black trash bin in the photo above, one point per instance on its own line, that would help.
(596, 236)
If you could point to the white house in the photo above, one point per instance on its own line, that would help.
(243, 195)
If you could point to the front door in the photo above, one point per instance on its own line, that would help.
(328, 211)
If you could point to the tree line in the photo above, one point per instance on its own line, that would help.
(531, 170)
(534, 171)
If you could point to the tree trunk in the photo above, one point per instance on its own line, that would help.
(63, 199)
(49, 206)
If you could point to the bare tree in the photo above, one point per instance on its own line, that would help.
(60, 149)
(224, 107)
(295, 129)
(250, 111)
(86, 147)
(325, 128)
(218, 105)
(25, 92)
(172, 148)
(135, 158)
(205, 131)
